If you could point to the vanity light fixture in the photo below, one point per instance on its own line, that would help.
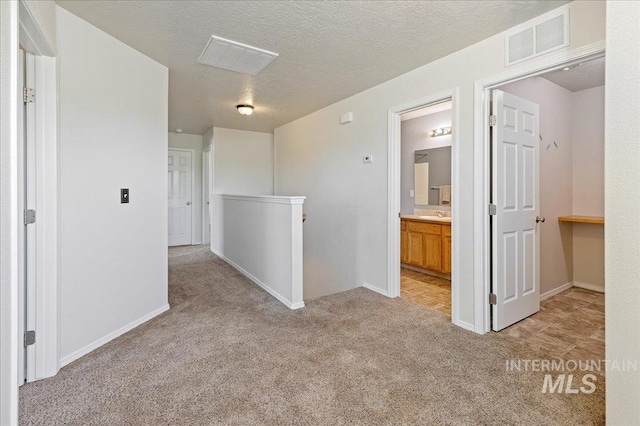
(245, 109)
(442, 131)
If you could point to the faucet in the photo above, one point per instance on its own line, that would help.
(439, 214)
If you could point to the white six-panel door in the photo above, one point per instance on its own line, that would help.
(516, 195)
(180, 175)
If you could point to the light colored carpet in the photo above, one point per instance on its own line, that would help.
(228, 353)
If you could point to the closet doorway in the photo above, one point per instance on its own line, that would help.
(547, 186)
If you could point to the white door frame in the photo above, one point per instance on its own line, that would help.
(43, 357)
(22, 27)
(482, 144)
(193, 187)
(206, 152)
(393, 194)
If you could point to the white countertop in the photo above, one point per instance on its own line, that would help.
(426, 218)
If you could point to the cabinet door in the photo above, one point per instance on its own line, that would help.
(416, 248)
(446, 254)
(433, 251)
(404, 246)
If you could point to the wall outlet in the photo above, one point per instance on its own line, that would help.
(367, 159)
(412, 193)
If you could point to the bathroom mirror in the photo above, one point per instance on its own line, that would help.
(432, 177)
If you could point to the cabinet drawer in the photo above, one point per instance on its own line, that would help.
(403, 225)
(427, 228)
(446, 230)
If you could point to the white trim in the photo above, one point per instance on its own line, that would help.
(588, 286)
(47, 275)
(206, 151)
(119, 332)
(262, 285)
(194, 236)
(9, 214)
(32, 37)
(275, 199)
(537, 66)
(375, 289)
(467, 326)
(393, 194)
(556, 290)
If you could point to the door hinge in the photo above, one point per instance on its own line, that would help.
(29, 338)
(492, 209)
(29, 216)
(493, 120)
(28, 95)
(493, 299)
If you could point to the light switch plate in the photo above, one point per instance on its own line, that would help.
(367, 158)
(412, 193)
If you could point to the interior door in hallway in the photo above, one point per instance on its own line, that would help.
(180, 188)
(516, 196)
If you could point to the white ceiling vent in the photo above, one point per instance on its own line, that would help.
(538, 36)
(234, 56)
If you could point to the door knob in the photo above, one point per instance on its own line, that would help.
(188, 203)
(540, 219)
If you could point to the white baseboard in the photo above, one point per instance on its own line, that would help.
(262, 285)
(588, 286)
(119, 332)
(556, 290)
(376, 289)
(465, 325)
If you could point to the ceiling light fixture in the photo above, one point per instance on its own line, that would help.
(443, 131)
(178, 130)
(245, 109)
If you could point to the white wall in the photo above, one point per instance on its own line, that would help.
(113, 108)
(8, 213)
(185, 140)
(588, 186)
(587, 110)
(556, 177)
(243, 161)
(346, 233)
(262, 238)
(622, 204)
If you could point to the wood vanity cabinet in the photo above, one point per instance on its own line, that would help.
(426, 245)
(404, 242)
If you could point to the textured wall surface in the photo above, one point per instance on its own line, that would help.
(622, 203)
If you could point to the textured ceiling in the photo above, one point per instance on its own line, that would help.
(589, 74)
(328, 50)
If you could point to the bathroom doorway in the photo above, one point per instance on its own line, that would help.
(423, 157)
(425, 206)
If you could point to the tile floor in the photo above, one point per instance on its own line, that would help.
(423, 289)
(570, 325)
